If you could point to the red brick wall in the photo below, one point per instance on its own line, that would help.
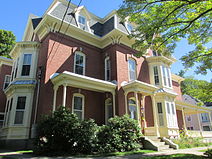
(180, 119)
(177, 89)
(149, 111)
(4, 70)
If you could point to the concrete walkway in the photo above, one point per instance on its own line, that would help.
(5, 154)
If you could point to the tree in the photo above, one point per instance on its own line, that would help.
(199, 89)
(7, 41)
(162, 23)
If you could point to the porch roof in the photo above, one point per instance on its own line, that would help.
(81, 81)
(190, 108)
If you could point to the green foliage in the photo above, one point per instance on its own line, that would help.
(199, 89)
(161, 24)
(121, 134)
(7, 41)
(189, 142)
(208, 153)
(63, 133)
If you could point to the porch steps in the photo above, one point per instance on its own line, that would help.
(162, 146)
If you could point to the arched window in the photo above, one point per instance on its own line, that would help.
(78, 105)
(132, 69)
(79, 63)
(107, 69)
(108, 109)
(132, 108)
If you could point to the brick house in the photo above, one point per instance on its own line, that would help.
(89, 67)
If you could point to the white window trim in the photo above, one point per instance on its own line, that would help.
(128, 23)
(165, 75)
(129, 69)
(22, 63)
(5, 81)
(106, 59)
(84, 60)
(106, 105)
(21, 110)
(83, 103)
(161, 114)
(133, 98)
(158, 70)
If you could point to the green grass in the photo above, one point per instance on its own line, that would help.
(203, 150)
(176, 156)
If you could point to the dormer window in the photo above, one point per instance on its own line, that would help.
(166, 76)
(156, 75)
(129, 27)
(155, 53)
(82, 22)
(132, 69)
(26, 65)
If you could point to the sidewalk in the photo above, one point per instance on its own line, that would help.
(11, 155)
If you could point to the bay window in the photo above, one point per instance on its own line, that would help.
(20, 109)
(160, 114)
(26, 65)
(132, 69)
(156, 75)
(79, 64)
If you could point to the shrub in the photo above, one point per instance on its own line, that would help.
(64, 133)
(208, 153)
(189, 142)
(121, 134)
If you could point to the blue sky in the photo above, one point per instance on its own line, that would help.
(14, 15)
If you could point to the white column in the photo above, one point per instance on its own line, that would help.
(5, 113)
(143, 105)
(155, 114)
(64, 94)
(184, 123)
(200, 127)
(209, 115)
(138, 107)
(55, 98)
(114, 104)
(126, 103)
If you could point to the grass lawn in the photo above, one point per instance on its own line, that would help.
(177, 156)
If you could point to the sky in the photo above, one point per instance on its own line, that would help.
(14, 15)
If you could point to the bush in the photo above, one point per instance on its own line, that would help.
(121, 134)
(64, 133)
(208, 153)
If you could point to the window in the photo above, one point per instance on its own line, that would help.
(79, 66)
(132, 109)
(82, 22)
(168, 108)
(108, 109)
(107, 69)
(6, 81)
(156, 75)
(205, 117)
(78, 105)
(132, 69)
(173, 109)
(160, 114)
(26, 65)
(129, 27)
(1, 119)
(166, 76)
(8, 111)
(16, 68)
(171, 114)
(20, 108)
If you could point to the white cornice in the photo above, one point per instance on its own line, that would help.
(5, 61)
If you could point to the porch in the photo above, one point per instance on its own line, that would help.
(193, 127)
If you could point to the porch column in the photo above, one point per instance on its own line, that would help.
(184, 123)
(155, 114)
(209, 114)
(55, 98)
(137, 106)
(5, 113)
(64, 94)
(143, 106)
(114, 104)
(126, 103)
(200, 127)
